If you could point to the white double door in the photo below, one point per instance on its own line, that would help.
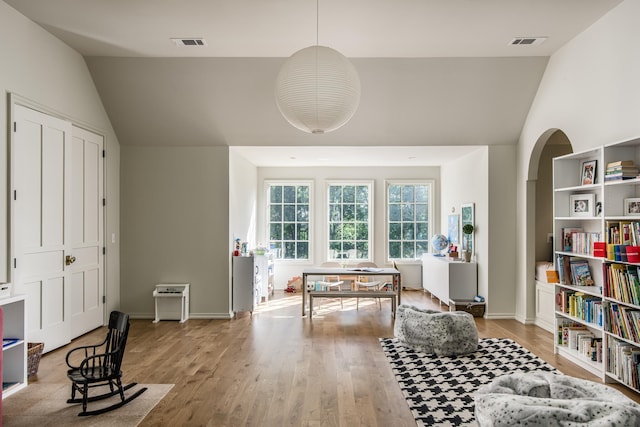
(57, 226)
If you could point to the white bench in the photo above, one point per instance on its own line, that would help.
(352, 294)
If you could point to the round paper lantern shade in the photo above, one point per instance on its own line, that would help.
(318, 90)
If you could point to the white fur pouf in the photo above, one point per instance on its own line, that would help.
(544, 399)
(436, 332)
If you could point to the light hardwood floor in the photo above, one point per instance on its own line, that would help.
(277, 369)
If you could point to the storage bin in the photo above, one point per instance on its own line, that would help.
(34, 353)
(472, 307)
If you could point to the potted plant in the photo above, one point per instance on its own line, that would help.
(468, 230)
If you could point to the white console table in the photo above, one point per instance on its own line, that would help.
(449, 280)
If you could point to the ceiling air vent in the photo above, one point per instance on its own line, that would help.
(527, 41)
(196, 41)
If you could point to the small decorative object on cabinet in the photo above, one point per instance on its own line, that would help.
(597, 255)
(14, 345)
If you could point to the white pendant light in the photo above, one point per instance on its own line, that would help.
(318, 89)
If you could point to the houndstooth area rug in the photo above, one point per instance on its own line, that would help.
(440, 390)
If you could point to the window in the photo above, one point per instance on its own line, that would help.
(408, 219)
(289, 220)
(349, 221)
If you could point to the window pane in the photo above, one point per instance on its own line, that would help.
(394, 212)
(407, 193)
(363, 194)
(348, 231)
(408, 231)
(275, 231)
(394, 250)
(276, 194)
(395, 192)
(422, 193)
(348, 194)
(348, 212)
(289, 194)
(422, 231)
(335, 194)
(335, 232)
(290, 250)
(362, 212)
(275, 214)
(303, 232)
(407, 250)
(303, 194)
(289, 213)
(395, 231)
(302, 250)
(335, 213)
(421, 248)
(407, 212)
(421, 212)
(362, 231)
(288, 231)
(362, 249)
(302, 214)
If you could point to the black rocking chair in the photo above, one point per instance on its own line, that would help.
(101, 367)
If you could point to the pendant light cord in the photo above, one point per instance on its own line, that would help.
(317, 21)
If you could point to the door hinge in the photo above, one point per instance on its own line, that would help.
(15, 194)
(104, 250)
(104, 299)
(15, 263)
(104, 202)
(15, 126)
(104, 153)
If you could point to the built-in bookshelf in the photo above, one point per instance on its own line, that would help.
(14, 345)
(597, 257)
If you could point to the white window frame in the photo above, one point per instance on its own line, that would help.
(371, 223)
(267, 194)
(430, 212)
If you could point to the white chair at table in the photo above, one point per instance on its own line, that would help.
(363, 282)
(332, 282)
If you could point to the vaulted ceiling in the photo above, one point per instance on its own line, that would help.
(435, 73)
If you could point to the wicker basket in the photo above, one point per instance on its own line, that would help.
(34, 352)
(475, 308)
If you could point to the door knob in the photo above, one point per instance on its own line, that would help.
(69, 260)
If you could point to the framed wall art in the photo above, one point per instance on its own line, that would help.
(467, 217)
(453, 227)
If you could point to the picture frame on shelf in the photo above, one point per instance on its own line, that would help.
(632, 207)
(581, 205)
(588, 172)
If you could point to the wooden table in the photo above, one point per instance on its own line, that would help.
(366, 271)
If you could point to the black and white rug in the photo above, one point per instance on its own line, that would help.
(440, 390)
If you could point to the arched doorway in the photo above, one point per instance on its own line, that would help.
(539, 246)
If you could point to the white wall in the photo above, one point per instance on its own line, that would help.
(175, 227)
(43, 70)
(590, 92)
(285, 270)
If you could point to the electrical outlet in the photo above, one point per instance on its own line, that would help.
(549, 237)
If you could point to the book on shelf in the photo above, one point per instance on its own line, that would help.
(567, 237)
(581, 273)
(620, 163)
(9, 341)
